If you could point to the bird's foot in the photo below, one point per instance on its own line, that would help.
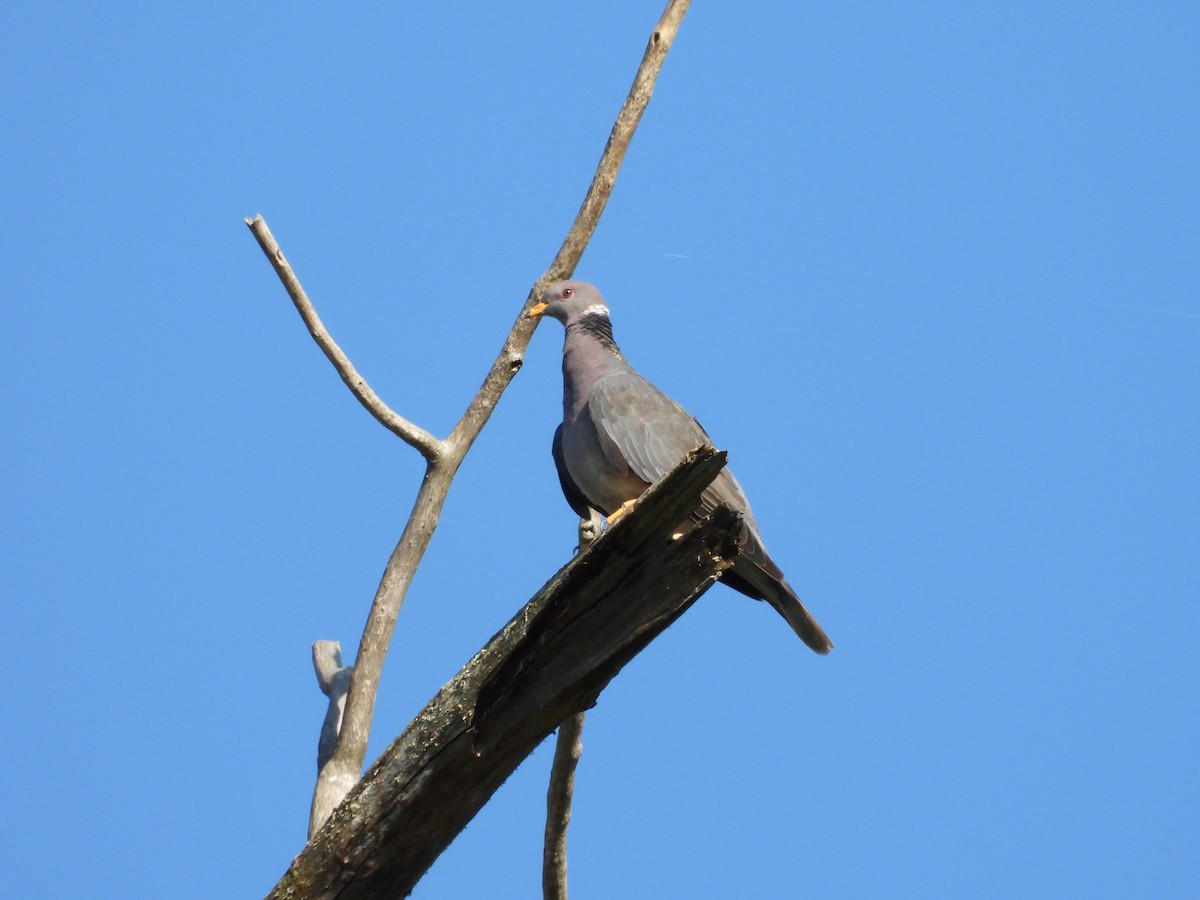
(625, 507)
(589, 529)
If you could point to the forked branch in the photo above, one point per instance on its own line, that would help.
(444, 457)
(429, 446)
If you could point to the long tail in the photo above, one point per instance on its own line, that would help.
(788, 605)
(756, 575)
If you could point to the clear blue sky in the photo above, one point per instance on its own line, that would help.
(927, 271)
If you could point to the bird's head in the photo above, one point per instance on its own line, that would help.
(569, 301)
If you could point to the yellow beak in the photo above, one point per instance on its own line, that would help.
(537, 309)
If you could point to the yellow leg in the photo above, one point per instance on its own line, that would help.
(625, 507)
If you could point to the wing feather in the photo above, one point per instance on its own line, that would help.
(641, 427)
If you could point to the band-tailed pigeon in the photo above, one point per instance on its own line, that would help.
(620, 433)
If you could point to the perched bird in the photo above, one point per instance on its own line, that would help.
(620, 433)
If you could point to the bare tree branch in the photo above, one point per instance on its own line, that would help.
(429, 446)
(618, 142)
(551, 660)
(345, 767)
(568, 747)
(334, 680)
(444, 457)
(567, 750)
(512, 355)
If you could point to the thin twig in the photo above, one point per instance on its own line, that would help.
(618, 142)
(568, 748)
(512, 355)
(428, 446)
(334, 681)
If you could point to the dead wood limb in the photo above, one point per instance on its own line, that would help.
(550, 661)
(512, 354)
(334, 681)
(429, 446)
(568, 747)
(618, 142)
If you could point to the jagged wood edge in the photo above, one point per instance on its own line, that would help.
(550, 661)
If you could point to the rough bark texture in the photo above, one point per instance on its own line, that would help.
(551, 661)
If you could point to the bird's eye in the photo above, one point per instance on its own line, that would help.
(568, 292)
